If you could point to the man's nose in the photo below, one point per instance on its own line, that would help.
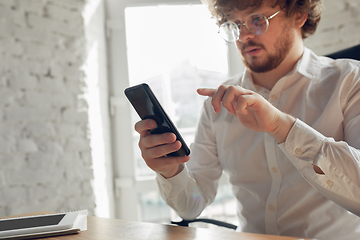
(245, 34)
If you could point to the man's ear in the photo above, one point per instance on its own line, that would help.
(300, 19)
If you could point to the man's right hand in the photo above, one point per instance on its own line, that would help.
(154, 148)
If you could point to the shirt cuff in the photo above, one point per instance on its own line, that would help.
(167, 184)
(303, 141)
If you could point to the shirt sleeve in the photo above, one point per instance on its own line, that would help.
(182, 194)
(339, 161)
(195, 187)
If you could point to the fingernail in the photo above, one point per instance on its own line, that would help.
(170, 137)
(152, 124)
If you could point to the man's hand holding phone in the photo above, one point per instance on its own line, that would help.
(155, 147)
(162, 147)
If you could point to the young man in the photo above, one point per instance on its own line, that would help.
(286, 132)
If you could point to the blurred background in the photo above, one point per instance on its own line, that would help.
(66, 130)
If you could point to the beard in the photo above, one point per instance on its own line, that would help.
(282, 46)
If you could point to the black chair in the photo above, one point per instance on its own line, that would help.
(352, 53)
(185, 223)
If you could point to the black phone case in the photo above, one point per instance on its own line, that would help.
(147, 106)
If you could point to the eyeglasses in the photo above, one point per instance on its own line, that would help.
(256, 23)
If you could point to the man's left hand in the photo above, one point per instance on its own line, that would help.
(251, 109)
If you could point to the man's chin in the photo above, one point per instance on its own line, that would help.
(256, 67)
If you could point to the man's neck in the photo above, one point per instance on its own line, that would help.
(269, 79)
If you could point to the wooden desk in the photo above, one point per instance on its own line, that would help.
(114, 229)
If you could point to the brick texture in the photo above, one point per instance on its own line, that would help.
(338, 28)
(43, 128)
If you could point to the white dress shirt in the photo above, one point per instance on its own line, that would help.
(275, 184)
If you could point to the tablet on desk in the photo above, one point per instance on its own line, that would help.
(30, 225)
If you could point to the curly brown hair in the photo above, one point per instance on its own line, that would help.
(221, 8)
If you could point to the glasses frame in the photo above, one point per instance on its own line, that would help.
(238, 25)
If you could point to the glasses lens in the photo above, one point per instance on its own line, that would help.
(229, 31)
(257, 24)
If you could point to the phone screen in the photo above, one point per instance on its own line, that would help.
(147, 106)
(30, 222)
(143, 105)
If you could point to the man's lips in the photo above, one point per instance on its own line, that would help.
(252, 51)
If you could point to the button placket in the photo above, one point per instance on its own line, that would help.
(275, 94)
(271, 201)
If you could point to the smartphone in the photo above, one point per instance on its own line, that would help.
(147, 106)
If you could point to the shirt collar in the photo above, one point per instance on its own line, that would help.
(308, 65)
(247, 82)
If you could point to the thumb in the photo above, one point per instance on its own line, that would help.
(246, 102)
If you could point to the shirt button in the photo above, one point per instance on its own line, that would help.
(330, 183)
(271, 208)
(298, 151)
(274, 169)
(166, 187)
(273, 98)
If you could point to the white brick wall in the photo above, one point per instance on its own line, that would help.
(45, 155)
(339, 27)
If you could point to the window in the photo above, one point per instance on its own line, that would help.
(175, 49)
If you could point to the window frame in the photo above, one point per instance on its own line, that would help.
(127, 185)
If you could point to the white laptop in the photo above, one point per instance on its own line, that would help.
(38, 225)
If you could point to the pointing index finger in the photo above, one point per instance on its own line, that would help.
(215, 94)
(209, 92)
